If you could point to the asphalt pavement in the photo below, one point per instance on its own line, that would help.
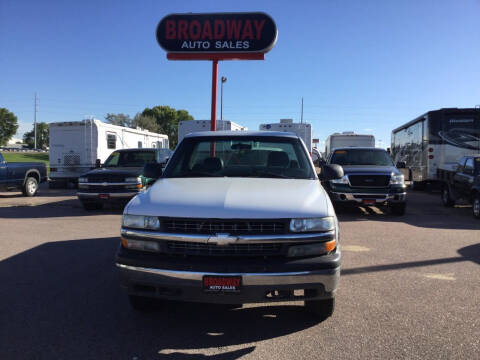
(410, 289)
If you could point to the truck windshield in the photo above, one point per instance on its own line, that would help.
(266, 157)
(361, 157)
(130, 158)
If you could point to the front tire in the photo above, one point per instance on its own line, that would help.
(446, 197)
(30, 187)
(398, 209)
(476, 206)
(322, 309)
(141, 303)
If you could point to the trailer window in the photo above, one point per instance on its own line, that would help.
(139, 144)
(111, 141)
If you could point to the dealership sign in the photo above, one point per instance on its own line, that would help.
(254, 32)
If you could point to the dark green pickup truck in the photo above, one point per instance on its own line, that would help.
(120, 178)
(462, 183)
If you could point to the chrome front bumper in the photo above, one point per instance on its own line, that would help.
(328, 278)
(359, 197)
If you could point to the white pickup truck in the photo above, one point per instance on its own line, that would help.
(235, 217)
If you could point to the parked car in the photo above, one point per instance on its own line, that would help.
(462, 183)
(120, 178)
(370, 178)
(236, 217)
(24, 176)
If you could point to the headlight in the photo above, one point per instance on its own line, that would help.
(82, 179)
(312, 249)
(312, 224)
(141, 222)
(143, 245)
(342, 180)
(397, 180)
(136, 180)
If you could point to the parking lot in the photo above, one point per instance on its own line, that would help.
(410, 288)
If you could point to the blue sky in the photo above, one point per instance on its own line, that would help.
(366, 66)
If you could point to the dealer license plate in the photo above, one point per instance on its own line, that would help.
(369, 201)
(222, 284)
(104, 196)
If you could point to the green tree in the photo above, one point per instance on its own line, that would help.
(145, 122)
(119, 119)
(43, 138)
(167, 120)
(8, 125)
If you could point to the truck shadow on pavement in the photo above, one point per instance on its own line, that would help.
(62, 300)
(468, 253)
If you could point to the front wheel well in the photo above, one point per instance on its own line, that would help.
(32, 174)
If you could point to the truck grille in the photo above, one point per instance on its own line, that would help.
(107, 179)
(369, 180)
(190, 248)
(233, 227)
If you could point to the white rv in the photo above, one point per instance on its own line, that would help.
(190, 126)
(348, 139)
(77, 146)
(302, 130)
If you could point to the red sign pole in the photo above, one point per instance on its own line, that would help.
(213, 121)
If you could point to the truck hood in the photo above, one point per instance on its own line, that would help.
(233, 198)
(356, 169)
(105, 172)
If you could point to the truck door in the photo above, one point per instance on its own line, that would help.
(463, 179)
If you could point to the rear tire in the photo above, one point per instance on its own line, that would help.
(30, 187)
(89, 206)
(446, 197)
(398, 209)
(476, 206)
(322, 309)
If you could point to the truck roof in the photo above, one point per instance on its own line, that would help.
(242, 134)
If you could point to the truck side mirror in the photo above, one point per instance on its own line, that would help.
(331, 172)
(401, 165)
(152, 170)
(98, 163)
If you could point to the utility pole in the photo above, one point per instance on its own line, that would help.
(301, 117)
(35, 122)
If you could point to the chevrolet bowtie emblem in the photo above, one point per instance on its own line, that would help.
(222, 239)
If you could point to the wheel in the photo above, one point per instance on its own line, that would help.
(417, 185)
(398, 209)
(92, 205)
(141, 303)
(476, 206)
(30, 187)
(322, 309)
(446, 198)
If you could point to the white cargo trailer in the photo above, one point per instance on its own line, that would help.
(348, 139)
(190, 126)
(77, 146)
(302, 130)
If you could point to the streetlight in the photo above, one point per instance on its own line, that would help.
(224, 79)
